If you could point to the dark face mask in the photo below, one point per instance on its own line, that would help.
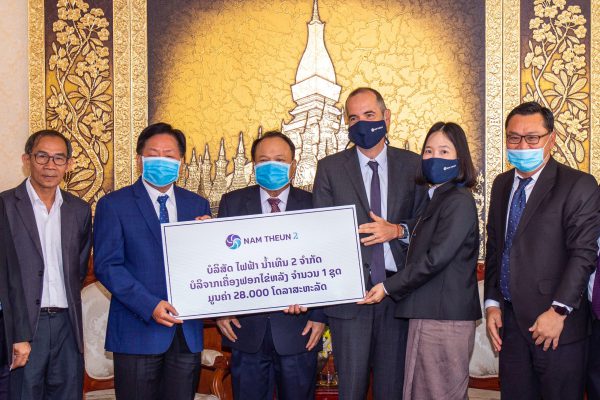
(440, 170)
(367, 134)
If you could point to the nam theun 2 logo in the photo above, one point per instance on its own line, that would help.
(233, 241)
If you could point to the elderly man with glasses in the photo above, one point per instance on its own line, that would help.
(51, 232)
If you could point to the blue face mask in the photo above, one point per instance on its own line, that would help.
(526, 160)
(160, 171)
(366, 134)
(439, 170)
(272, 175)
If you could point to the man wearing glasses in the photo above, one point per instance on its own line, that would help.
(51, 231)
(541, 249)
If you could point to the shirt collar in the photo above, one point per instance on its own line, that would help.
(283, 196)
(154, 193)
(534, 177)
(35, 199)
(381, 158)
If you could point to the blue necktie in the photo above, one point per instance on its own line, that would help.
(163, 212)
(517, 205)
(377, 258)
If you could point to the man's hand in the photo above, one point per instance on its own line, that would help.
(381, 231)
(204, 217)
(316, 331)
(493, 317)
(20, 356)
(547, 329)
(295, 309)
(375, 295)
(163, 314)
(224, 324)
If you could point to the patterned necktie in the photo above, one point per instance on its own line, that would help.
(274, 202)
(377, 258)
(596, 292)
(163, 212)
(517, 205)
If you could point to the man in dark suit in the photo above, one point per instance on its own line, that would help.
(15, 333)
(380, 181)
(156, 355)
(52, 235)
(541, 249)
(272, 345)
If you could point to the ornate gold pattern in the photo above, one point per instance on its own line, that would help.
(139, 75)
(511, 59)
(80, 102)
(595, 89)
(555, 75)
(493, 106)
(122, 89)
(37, 70)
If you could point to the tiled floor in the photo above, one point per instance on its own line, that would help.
(478, 394)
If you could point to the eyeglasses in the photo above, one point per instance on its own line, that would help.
(529, 139)
(44, 158)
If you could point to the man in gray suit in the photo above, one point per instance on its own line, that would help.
(52, 236)
(380, 181)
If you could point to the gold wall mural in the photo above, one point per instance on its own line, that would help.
(224, 71)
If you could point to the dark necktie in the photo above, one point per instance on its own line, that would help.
(517, 205)
(377, 259)
(596, 292)
(274, 203)
(163, 212)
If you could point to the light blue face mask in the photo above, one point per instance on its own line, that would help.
(526, 160)
(160, 171)
(272, 175)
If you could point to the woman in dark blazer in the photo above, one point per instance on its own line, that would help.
(437, 289)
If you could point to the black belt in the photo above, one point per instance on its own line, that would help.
(52, 310)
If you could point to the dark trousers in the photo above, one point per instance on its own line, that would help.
(173, 375)
(254, 376)
(376, 341)
(593, 372)
(528, 372)
(4, 373)
(55, 367)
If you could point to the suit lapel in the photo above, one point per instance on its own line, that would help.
(506, 188)
(182, 209)
(393, 195)
(142, 199)
(67, 227)
(542, 187)
(25, 210)
(253, 205)
(354, 173)
(293, 204)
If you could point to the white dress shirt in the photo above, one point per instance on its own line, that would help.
(528, 190)
(171, 204)
(264, 200)
(367, 176)
(591, 281)
(48, 224)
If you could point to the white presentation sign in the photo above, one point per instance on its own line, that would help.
(263, 262)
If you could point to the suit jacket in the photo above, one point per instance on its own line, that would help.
(128, 260)
(554, 249)
(12, 296)
(338, 181)
(76, 240)
(285, 329)
(439, 280)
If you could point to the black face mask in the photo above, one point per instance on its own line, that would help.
(367, 134)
